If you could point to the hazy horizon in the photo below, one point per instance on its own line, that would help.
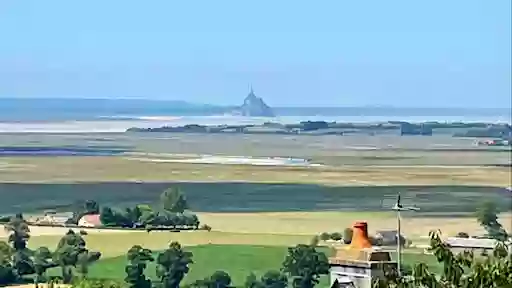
(185, 102)
(295, 53)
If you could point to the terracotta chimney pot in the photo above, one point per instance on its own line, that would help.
(360, 236)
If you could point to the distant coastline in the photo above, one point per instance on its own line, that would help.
(317, 128)
(54, 109)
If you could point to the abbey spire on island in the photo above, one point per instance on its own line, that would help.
(253, 106)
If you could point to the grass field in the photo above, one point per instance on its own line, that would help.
(360, 150)
(253, 197)
(238, 260)
(92, 169)
(276, 229)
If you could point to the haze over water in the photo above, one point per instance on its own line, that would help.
(82, 116)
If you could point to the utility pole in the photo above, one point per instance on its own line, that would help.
(399, 207)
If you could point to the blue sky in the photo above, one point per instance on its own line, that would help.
(296, 53)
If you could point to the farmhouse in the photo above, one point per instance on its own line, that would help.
(91, 220)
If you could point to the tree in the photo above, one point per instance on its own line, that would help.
(91, 207)
(42, 262)
(173, 200)
(462, 235)
(336, 236)
(20, 233)
(219, 279)
(252, 282)
(7, 273)
(72, 253)
(173, 265)
(487, 216)
(459, 270)
(137, 259)
(274, 279)
(83, 208)
(305, 265)
(325, 236)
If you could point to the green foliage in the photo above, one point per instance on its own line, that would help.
(86, 283)
(347, 235)
(206, 227)
(271, 279)
(464, 270)
(462, 235)
(72, 253)
(325, 236)
(336, 236)
(173, 200)
(172, 215)
(137, 262)
(42, 262)
(219, 279)
(173, 265)
(487, 216)
(19, 232)
(7, 273)
(304, 264)
(314, 241)
(84, 208)
(115, 218)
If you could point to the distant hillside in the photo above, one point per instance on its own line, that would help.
(78, 109)
(48, 109)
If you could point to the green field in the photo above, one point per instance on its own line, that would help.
(238, 260)
(251, 197)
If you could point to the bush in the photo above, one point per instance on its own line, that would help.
(375, 241)
(336, 236)
(462, 235)
(315, 240)
(206, 227)
(325, 236)
(83, 232)
(347, 235)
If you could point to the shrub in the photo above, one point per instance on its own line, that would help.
(315, 240)
(462, 235)
(206, 227)
(325, 236)
(347, 235)
(375, 241)
(336, 236)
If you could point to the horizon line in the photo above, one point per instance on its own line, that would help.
(234, 105)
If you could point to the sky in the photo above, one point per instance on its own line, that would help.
(434, 53)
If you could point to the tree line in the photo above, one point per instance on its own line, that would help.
(172, 212)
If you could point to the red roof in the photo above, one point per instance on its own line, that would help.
(93, 219)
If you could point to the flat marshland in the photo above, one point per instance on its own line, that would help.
(255, 211)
